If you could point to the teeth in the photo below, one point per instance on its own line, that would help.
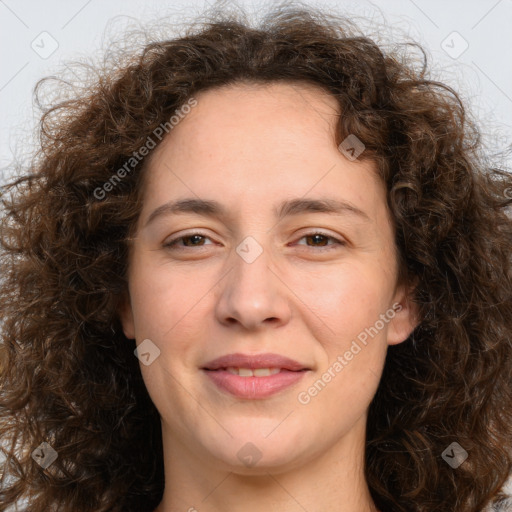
(261, 372)
(257, 372)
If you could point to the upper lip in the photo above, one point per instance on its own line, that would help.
(254, 361)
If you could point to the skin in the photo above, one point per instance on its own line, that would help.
(250, 147)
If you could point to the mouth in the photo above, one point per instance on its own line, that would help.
(253, 372)
(250, 386)
(253, 377)
(259, 364)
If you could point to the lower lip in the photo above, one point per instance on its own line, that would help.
(254, 387)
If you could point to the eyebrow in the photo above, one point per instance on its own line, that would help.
(211, 208)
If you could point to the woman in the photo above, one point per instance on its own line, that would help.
(297, 236)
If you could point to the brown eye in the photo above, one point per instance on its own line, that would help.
(321, 240)
(190, 240)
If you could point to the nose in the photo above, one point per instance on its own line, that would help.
(253, 295)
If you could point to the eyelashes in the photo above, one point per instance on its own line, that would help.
(314, 236)
(319, 234)
(174, 242)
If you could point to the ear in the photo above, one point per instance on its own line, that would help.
(126, 316)
(406, 316)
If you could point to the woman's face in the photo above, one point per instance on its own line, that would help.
(267, 271)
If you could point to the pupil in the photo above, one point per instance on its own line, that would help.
(196, 237)
(317, 237)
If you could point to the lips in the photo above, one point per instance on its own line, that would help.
(255, 361)
(254, 376)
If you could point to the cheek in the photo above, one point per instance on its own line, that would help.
(354, 349)
(348, 299)
(174, 311)
(161, 298)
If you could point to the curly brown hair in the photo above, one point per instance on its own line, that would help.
(68, 374)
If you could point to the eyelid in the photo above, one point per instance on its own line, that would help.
(338, 239)
(185, 235)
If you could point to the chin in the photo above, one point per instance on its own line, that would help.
(251, 454)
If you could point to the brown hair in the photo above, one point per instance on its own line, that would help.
(68, 374)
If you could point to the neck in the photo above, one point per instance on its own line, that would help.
(330, 481)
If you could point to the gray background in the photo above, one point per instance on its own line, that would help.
(469, 44)
(30, 29)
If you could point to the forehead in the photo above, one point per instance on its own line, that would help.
(299, 96)
(255, 142)
(294, 112)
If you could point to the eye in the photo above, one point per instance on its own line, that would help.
(194, 238)
(322, 239)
